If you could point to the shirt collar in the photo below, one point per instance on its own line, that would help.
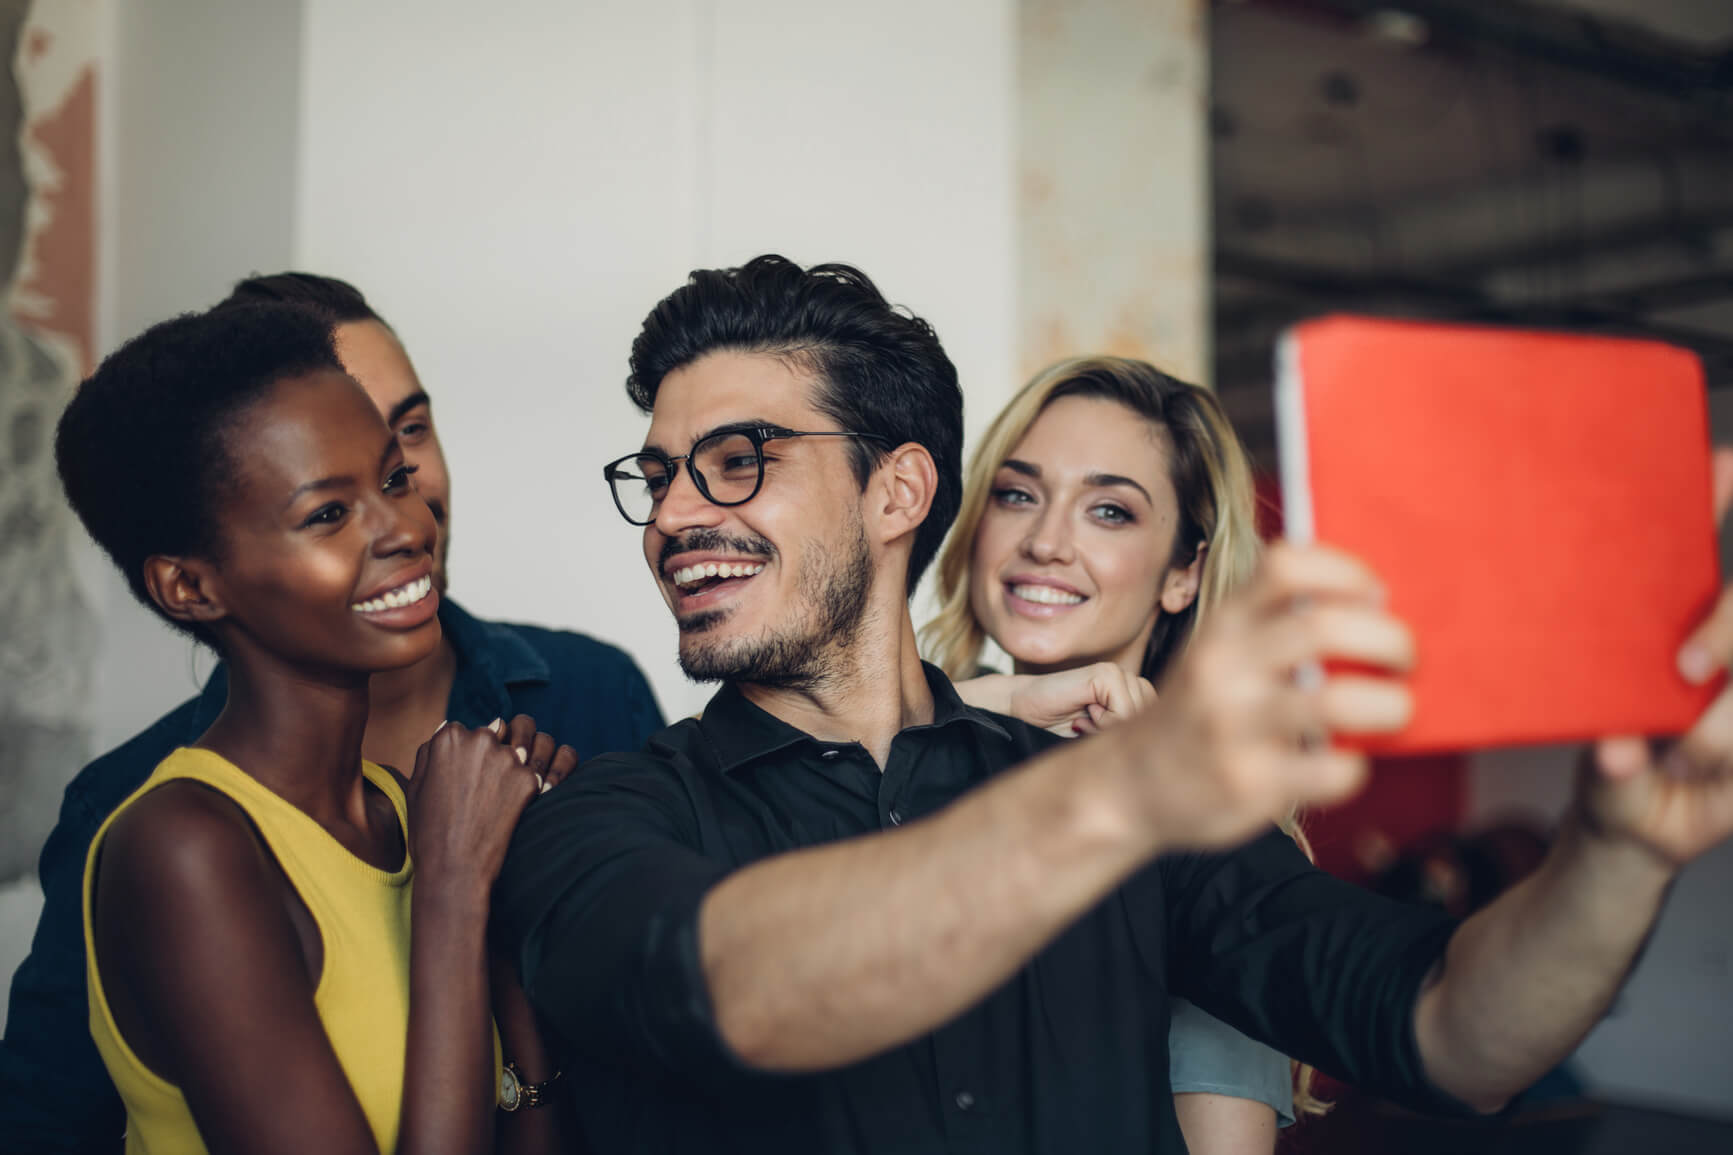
(497, 651)
(490, 658)
(740, 732)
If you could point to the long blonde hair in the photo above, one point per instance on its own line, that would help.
(1212, 478)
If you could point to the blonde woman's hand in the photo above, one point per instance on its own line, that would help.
(1078, 701)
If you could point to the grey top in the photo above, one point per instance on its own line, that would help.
(1206, 1055)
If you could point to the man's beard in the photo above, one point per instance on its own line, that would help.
(830, 604)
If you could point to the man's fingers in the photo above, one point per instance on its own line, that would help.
(1354, 704)
(1355, 633)
(1326, 775)
(1623, 757)
(1721, 478)
(1312, 571)
(1704, 750)
(1710, 644)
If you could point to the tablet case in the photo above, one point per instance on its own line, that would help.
(1538, 506)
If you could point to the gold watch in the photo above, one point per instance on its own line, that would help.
(515, 1094)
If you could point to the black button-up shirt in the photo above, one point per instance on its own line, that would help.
(601, 893)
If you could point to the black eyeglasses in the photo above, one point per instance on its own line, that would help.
(727, 467)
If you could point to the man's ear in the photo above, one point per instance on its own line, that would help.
(908, 482)
(184, 588)
(1179, 585)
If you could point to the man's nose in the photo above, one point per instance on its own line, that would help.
(683, 506)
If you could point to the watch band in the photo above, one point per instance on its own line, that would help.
(515, 1094)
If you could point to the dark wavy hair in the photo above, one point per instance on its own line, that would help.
(881, 368)
(143, 447)
(337, 301)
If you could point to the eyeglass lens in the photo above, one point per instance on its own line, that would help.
(726, 465)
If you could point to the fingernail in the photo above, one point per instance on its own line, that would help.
(544, 787)
(1696, 663)
(523, 756)
(442, 726)
(495, 724)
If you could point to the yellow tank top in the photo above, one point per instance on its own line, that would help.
(363, 991)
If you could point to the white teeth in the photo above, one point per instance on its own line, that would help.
(404, 595)
(693, 574)
(1046, 595)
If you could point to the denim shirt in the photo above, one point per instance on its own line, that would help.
(55, 1094)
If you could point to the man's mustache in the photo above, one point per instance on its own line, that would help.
(713, 541)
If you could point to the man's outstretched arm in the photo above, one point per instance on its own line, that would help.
(1524, 981)
(639, 948)
(821, 957)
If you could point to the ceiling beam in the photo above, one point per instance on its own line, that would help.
(1572, 40)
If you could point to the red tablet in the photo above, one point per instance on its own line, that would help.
(1537, 504)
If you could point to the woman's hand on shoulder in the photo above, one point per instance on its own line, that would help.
(1077, 701)
(468, 791)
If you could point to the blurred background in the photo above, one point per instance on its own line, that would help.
(514, 184)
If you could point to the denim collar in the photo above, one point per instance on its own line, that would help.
(491, 659)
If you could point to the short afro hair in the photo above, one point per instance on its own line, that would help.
(881, 368)
(142, 447)
(337, 301)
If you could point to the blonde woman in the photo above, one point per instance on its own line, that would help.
(1107, 510)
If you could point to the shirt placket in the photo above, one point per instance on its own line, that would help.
(964, 1093)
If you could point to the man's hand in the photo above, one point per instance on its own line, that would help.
(1678, 804)
(1243, 731)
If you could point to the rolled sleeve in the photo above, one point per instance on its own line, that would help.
(599, 899)
(1319, 969)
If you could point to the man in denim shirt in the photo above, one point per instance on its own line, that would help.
(55, 1094)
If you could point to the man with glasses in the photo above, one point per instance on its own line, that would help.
(842, 911)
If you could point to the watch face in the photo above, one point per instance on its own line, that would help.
(509, 1091)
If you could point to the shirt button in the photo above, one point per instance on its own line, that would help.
(896, 818)
(965, 1101)
(829, 755)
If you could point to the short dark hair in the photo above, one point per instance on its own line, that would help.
(142, 447)
(881, 368)
(337, 301)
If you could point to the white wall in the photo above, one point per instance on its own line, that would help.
(1114, 232)
(516, 185)
(198, 124)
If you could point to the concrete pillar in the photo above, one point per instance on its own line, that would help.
(1113, 182)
